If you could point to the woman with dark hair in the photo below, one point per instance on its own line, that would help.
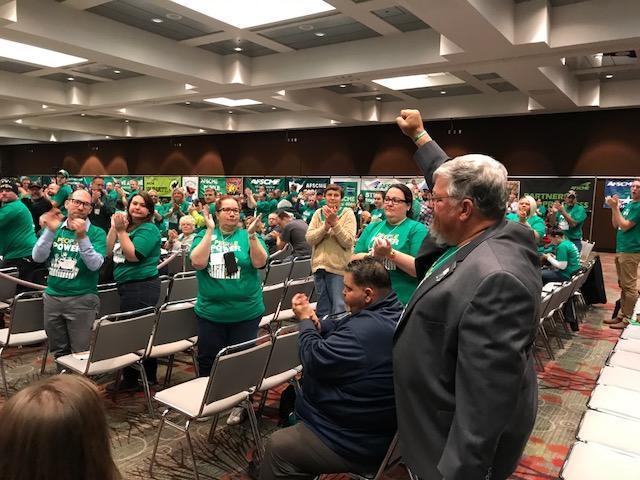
(395, 240)
(135, 241)
(56, 429)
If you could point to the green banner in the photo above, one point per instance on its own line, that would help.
(163, 185)
(218, 183)
(368, 195)
(123, 180)
(270, 183)
(349, 188)
(313, 183)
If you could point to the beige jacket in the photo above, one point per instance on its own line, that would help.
(332, 249)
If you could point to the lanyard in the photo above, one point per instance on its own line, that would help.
(440, 261)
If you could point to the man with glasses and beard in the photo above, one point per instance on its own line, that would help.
(75, 250)
(465, 383)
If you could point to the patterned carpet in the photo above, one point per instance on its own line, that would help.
(564, 389)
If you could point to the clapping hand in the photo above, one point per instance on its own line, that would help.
(331, 215)
(79, 225)
(208, 219)
(172, 234)
(381, 248)
(613, 201)
(119, 222)
(51, 220)
(253, 226)
(302, 309)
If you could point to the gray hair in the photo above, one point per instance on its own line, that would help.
(479, 178)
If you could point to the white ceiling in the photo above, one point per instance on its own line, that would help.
(493, 57)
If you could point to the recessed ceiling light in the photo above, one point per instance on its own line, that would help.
(202, 130)
(19, 120)
(319, 34)
(53, 138)
(274, 108)
(122, 110)
(173, 16)
(44, 107)
(83, 114)
(117, 72)
(443, 92)
(188, 86)
(157, 20)
(187, 103)
(610, 75)
(228, 102)
(282, 93)
(238, 49)
(71, 79)
(249, 13)
(305, 27)
(378, 98)
(343, 85)
(230, 111)
(39, 56)
(405, 82)
(126, 121)
(335, 122)
(107, 136)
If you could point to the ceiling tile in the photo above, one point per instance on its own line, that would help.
(400, 18)
(351, 88)
(105, 71)
(17, 67)
(452, 91)
(503, 87)
(487, 76)
(249, 49)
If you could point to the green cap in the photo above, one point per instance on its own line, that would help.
(64, 173)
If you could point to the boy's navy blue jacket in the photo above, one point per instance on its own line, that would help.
(347, 397)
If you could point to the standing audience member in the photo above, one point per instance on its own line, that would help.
(64, 191)
(526, 215)
(56, 429)
(569, 217)
(625, 221)
(346, 407)
(293, 233)
(24, 187)
(229, 306)
(331, 234)
(75, 250)
(101, 209)
(134, 241)
(395, 241)
(37, 204)
(17, 236)
(134, 188)
(465, 381)
(271, 234)
(176, 209)
(565, 262)
(377, 213)
(158, 219)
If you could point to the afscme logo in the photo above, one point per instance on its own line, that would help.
(265, 181)
(620, 183)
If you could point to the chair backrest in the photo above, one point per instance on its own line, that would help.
(271, 296)
(305, 285)
(238, 368)
(587, 247)
(175, 322)
(283, 253)
(301, 268)
(7, 287)
(284, 355)
(545, 301)
(119, 334)
(165, 282)
(176, 264)
(109, 299)
(278, 272)
(27, 313)
(188, 267)
(184, 286)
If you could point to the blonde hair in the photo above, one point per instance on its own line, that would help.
(187, 219)
(533, 206)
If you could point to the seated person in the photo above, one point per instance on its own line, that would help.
(346, 410)
(176, 242)
(565, 262)
(293, 232)
(526, 215)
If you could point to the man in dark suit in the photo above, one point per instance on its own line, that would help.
(466, 388)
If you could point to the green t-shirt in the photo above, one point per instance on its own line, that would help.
(172, 218)
(68, 275)
(629, 241)
(415, 209)
(307, 213)
(18, 234)
(377, 214)
(64, 192)
(146, 241)
(579, 215)
(224, 299)
(264, 208)
(542, 211)
(405, 237)
(535, 222)
(566, 251)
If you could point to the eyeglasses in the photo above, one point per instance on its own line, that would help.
(80, 203)
(394, 201)
(230, 210)
(434, 199)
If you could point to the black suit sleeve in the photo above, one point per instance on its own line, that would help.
(494, 335)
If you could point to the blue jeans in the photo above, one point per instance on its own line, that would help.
(549, 276)
(214, 336)
(330, 298)
(578, 244)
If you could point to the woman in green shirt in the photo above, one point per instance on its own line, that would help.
(395, 241)
(134, 241)
(226, 258)
(527, 215)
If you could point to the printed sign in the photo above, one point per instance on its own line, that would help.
(163, 185)
(219, 184)
(620, 187)
(269, 183)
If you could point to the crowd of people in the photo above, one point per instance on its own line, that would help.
(427, 311)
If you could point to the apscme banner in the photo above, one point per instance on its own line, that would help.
(620, 187)
(549, 190)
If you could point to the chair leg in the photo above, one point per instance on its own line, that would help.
(190, 445)
(147, 392)
(4, 378)
(194, 357)
(263, 400)
(167, 376)
(155, 446)
(44, 358)
(116, 387)
(254, 427)
(212, 430)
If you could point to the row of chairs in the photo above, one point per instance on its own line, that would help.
(556, 297)
(277, 299)
(607, 438)
(280, 271)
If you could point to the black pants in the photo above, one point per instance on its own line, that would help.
(214, 336)
(134, 296)
(297, 452)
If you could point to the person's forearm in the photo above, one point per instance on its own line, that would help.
(251, 201)
(257, 252)
(345, 231)
(280, 244)
(359, 256)
(559, 265)
(42, 248)
(428, 158)
(128, 249)
(111, 240)
(619, 221)
(92, 259)
(200, 254)
(404, 262)
(568, 218)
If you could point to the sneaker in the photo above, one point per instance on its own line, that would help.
(237, 415)
(621, 325)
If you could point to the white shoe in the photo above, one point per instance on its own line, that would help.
(237, 415)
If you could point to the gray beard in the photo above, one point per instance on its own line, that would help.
(437, 237)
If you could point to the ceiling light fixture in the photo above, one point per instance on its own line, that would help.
(305, 27)
(238, 49)
(378, 98)
(36, 55)
(122, 110)
(117, 72)
(107, 136)
(609, 75)
(126, 121)
(228, 102)
(83, 114)
(230, 112)
(319, 34)
(173, 16)
(188, 86)
(343, 85)
(187, 103)
(71, 79)
(274, 108)
(282, 93)
(202, 130)
(249, 13)
(19, 120)
(405, 82)
(157, 20)
(44, 107)
(443, 92)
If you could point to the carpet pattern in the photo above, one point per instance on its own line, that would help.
(565, 386)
